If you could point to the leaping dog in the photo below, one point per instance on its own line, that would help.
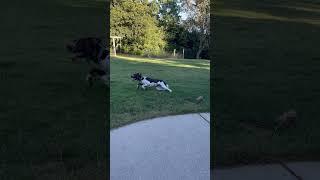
(149, 82)
(96, 55)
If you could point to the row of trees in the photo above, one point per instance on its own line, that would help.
(155, 27)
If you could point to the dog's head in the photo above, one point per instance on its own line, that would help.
(84, 47)
(136, 76)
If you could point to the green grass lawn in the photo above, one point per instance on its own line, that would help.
(49, 128)
(188, 80)
(266, 62)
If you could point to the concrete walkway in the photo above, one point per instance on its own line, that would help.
(166, 148)
(289, 171)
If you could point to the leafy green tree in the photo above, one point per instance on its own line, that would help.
(169, 18)
(136, 22)
(198, 21)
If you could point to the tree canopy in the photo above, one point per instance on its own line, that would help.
(155, 27)
(136, 23)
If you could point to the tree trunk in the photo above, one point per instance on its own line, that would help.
(201, 45)
(198, 53)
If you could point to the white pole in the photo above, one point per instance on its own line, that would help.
(182, 53)
(114, 47)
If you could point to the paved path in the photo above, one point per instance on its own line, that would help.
(166, 148)
(289, 171)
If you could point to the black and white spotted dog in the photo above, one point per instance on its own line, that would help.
(149, 82)
(96, 55)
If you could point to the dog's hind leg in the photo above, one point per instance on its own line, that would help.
(169, 90)
(105, 79)
(159, 88)
(165, 87)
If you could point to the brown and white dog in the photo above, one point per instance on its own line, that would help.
(96, 55)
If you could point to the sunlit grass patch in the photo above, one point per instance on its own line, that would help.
(186, 78)
(264, 16)
(184, 63)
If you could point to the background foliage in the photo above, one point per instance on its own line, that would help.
(156, 28)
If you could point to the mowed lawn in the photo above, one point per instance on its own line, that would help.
(267, 61)
(50, 126)
(188, 80)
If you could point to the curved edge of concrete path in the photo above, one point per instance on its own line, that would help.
(170, 147)
(204, 115)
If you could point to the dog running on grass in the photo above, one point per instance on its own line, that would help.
(149, 82)
(96, 55)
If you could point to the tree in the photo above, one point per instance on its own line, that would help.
(136, 22)
(198, 20)
(169, 18)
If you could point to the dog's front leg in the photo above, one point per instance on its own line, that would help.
(89, 79)
(139, 84)
(143, 87)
